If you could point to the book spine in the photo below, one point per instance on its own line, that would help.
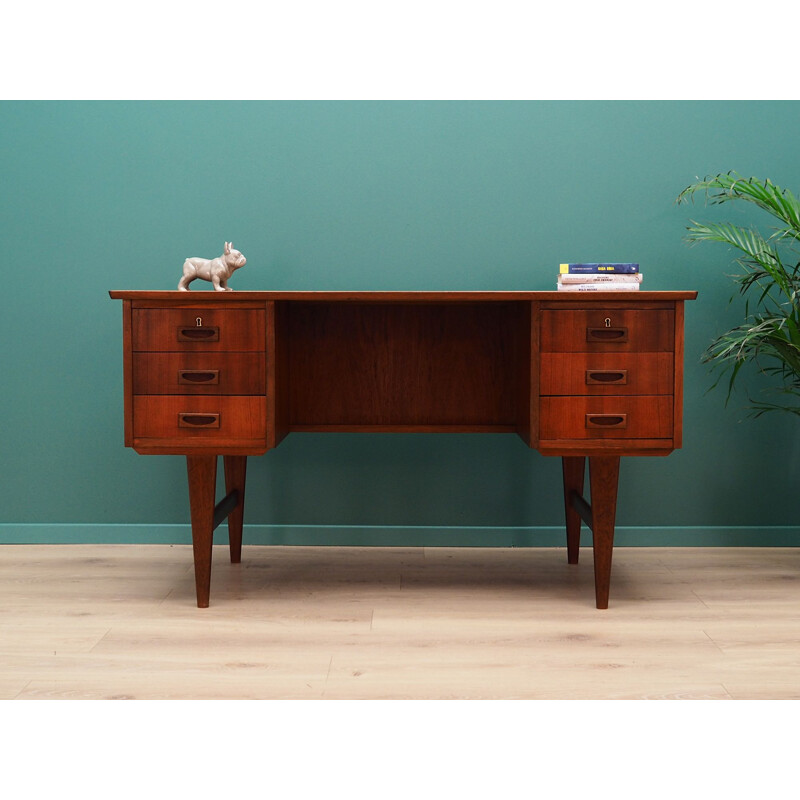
(600, 277)
(576, 269)
(602, 286)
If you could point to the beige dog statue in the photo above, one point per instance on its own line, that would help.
(217, 270)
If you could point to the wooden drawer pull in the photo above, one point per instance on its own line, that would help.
(606, 420)
(606, 376)
(190, 419)
(194, 376)
(606, 334)
(199, 334)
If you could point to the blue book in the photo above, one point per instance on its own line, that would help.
(577, 269)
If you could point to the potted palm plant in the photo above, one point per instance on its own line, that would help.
(769, 280)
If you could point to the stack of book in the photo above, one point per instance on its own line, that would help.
(599, 277)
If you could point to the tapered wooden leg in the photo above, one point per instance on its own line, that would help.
(574, 470)
(202, 472)
(604, 480)
(235, 478)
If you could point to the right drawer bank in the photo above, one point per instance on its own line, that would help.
(607, 372)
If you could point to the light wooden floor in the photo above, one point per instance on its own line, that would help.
(119, 621)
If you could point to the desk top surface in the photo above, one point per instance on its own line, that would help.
(210, 296)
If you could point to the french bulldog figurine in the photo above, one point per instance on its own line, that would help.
(217, 270)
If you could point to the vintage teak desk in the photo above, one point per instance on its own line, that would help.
(595, 375)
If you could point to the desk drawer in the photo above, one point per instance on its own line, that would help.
(199, 373)
(611, 417)
(607, 330)
(182, 417)
(606, 373)
(198, 329)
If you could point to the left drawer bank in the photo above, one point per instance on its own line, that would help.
(195, 377)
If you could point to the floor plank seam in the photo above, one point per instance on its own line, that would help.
(91, 649)
(327, 676)
(166, 597)
(20, 694)
(714, 643)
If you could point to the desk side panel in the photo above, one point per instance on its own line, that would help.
(278, 364)
(678, 371)
(127, 371)
(528, 375)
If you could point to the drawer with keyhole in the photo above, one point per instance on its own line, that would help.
(609, 330)
(195, 329)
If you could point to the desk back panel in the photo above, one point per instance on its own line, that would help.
(390, 366)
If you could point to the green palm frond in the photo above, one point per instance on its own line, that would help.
(771, 343)
(749, 241)
(760, 261)
(722, 188)
(769, 278)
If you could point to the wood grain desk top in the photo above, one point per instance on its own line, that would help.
(175, 296)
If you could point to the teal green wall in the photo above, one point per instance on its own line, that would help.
(366, 195)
